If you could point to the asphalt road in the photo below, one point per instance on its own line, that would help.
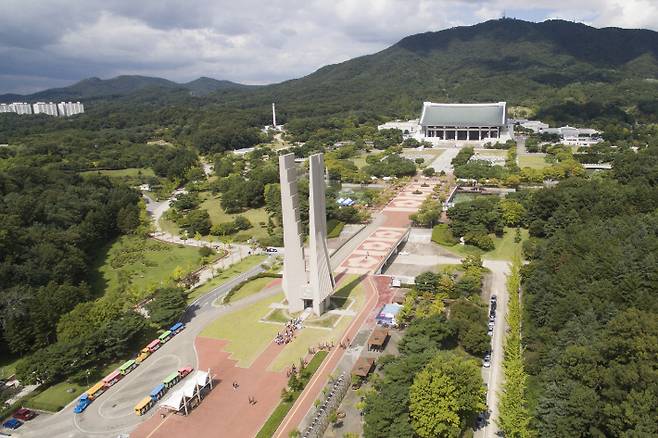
(112, 413)
(493, 376)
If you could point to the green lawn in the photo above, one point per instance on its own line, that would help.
(8, 365)
(272, 423)
(335, 227)
(218, 215)
(351, 290)
(505, 247)
(120, 173)
(491, 152)
(252, 287)
(55, 397)
(247, 336)
(533, 161)
(235, 269)
(360, 160)
(144, 264)
(168, 226)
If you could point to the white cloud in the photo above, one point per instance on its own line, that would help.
(252, 41)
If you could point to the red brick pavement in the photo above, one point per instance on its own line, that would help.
(225, 411)
(319, 379)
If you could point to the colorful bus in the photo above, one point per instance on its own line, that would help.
(144, 405)
(171, 380)
(158, 392)
(127, 367)
(95, 391)
(143, 355)
(113, 378)
(179, 326)
(154, 345)
(165, 336)
(82, 404)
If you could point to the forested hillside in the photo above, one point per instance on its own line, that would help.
(561, 71)
(591, 327)
(94, 88)
(52, 222)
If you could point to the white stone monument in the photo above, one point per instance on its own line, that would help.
(312, 288)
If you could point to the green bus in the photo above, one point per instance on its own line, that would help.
(165, 336)
(127, 367)
(171, 379)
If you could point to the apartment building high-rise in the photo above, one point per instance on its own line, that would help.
(70, 108)
(49, 108)
(20, 108)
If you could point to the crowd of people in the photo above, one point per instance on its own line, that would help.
(289, 333)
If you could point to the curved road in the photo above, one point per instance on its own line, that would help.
(112, 413)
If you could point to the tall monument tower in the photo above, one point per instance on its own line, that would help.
(321, 278)
(313, 288)
(274, 116)
(294, 267)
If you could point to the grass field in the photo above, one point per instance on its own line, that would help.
(235, 269)
(144, 263)
(255, 216)
(491, 152)
(8, 365)
(121, 173)
(335, 227)
(254, 286)
(273, 422)
(57, 396)
(504, 250)
(533, 161)
(246, 335)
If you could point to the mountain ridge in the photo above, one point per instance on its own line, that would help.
(122, 85)
(524, 63)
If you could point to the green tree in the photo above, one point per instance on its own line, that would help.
(512, 212)
(167, 306)
(446, 396)
(128, 218)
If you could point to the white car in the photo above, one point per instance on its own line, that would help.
(486, 362)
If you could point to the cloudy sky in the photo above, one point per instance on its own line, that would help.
(49, 43)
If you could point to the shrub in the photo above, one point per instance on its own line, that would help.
(442, 235)
(479, 239)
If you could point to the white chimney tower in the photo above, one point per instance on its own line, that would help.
(273, 116)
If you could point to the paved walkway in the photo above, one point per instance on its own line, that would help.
(370, 254)
(305, 402)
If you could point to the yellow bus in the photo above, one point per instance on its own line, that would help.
(96, 390)
(143, 406)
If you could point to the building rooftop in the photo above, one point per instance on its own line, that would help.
(463, 114)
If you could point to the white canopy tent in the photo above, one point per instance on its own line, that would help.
(179, 399)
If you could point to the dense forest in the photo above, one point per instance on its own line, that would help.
(53, 221)
(590, 300)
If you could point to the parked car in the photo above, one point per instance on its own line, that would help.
(12, 424)
(491, 325)
(490, 332)
(492, 317)
(24, 414)
(494, 298)
(271, 249)
(486, 362)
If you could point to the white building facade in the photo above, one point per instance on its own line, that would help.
(19, 108)
(457, 123)
(50, 109)
(66, 109)
(62, 109)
